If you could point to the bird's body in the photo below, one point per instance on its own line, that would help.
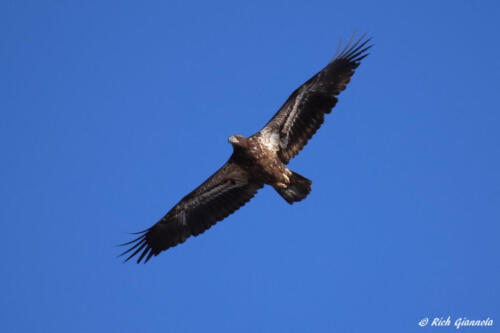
(257, 160)
(258, 157)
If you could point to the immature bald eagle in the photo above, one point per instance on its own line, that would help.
(258, 160)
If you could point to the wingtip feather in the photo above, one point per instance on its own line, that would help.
(354, 52)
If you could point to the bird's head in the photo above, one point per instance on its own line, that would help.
(238, 141)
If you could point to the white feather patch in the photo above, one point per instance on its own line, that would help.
(270, 140)
(293, 112)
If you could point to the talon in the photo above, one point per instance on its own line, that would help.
(287, 180)
(281, 185)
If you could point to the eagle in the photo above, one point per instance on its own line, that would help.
(257, 160)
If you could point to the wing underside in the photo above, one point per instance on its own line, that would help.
(219, 196)
(303, 112)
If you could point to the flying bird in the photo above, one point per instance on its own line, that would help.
(257, 160)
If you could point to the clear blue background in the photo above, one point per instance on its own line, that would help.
(112, 111)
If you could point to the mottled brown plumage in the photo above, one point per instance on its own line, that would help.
(258, 160)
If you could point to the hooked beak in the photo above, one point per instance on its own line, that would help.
(233, 139)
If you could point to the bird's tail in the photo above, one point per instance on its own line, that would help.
(297, 190)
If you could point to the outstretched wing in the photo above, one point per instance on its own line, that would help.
(303, 112)
(220, 195)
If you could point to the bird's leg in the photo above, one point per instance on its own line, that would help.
(287, 179)
(281, 185)
(287, 174)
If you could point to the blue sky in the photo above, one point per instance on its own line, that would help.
(113, 111)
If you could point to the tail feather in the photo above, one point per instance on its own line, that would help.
(297, 190)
